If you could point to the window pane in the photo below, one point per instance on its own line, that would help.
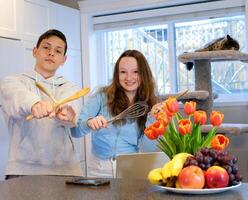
(227, 77)
(151, 41)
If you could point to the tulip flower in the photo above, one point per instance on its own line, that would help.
(189, 107)
(216, 118)
(154, 130)
(150, 133)
(219, 142)
(165, 110)
(174, 134)
(200, 117)
(162, 116)
(172, 105)
(184, 126)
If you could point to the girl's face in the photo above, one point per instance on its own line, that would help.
(129, 76)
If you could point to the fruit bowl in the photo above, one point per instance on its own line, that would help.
(207, 171)
(199, 191)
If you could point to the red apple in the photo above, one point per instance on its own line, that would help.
(191, 177)
(216, 177)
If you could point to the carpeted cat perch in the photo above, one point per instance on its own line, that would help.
(203, 81)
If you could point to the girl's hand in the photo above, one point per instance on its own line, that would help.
(97, 122)
(156, 109)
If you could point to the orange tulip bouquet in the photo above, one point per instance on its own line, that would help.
(180, 138)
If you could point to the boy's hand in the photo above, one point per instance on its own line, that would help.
(42, 109)
(97, 123)
(66, 113)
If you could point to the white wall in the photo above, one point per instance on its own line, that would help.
(21, 23)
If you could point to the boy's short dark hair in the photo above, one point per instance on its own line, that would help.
(50, 33)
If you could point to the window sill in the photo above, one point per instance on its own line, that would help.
(231, 100)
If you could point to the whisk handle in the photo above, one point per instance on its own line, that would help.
(112, 120)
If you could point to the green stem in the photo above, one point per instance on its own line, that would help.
(184, 145)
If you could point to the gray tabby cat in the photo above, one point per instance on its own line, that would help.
(223, 43)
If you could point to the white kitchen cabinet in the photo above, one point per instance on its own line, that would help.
(10, 18)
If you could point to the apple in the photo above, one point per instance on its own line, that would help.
(191, 177)
(216, 177)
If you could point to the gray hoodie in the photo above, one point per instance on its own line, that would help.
(40, 146)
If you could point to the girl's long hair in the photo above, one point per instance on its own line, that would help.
(117, 101)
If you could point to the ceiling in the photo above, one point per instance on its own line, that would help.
(68, 3)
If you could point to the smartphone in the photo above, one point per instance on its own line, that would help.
(88, 182)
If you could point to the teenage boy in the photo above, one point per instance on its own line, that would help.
(43, 145)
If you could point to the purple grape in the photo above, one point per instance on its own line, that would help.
(228, 168)
(213, 154)
(204, 151)
(202, 166)
(231, 177)
(234, 182)
(194, 162)
(199, 157)
(234, 159)
(238, 177)
(235, 169)
(208, 165)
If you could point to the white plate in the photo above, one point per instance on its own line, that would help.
(199, 191)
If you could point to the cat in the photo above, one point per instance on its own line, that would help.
(223, 43)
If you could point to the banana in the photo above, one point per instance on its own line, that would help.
(177, 163)
(155, 176)
(166, 171)
(168, 174)
(177, 184)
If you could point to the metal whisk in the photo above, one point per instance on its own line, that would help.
(136, 110)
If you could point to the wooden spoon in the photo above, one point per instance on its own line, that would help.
(77, 95)
(43, 89)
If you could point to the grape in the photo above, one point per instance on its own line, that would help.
(221, 154)
(190, 161)
(204, 151)
(199, 156)
(231, 177)
(203, 166)
(213, 154)
(194, 162)
(208, 165)
(186, 163)
(238, 177)
(234, 182)
(230, 162)
(228, 169)
(207, 157)
(235, 169)
(234, 159)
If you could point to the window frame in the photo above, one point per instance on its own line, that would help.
(126, 17)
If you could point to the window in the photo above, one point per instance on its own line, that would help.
(227, 77)
(152, 41)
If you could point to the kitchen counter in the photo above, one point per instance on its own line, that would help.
(53, 188)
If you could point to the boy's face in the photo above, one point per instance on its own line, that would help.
(49, 56)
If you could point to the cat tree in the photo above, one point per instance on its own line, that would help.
(203, 94)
